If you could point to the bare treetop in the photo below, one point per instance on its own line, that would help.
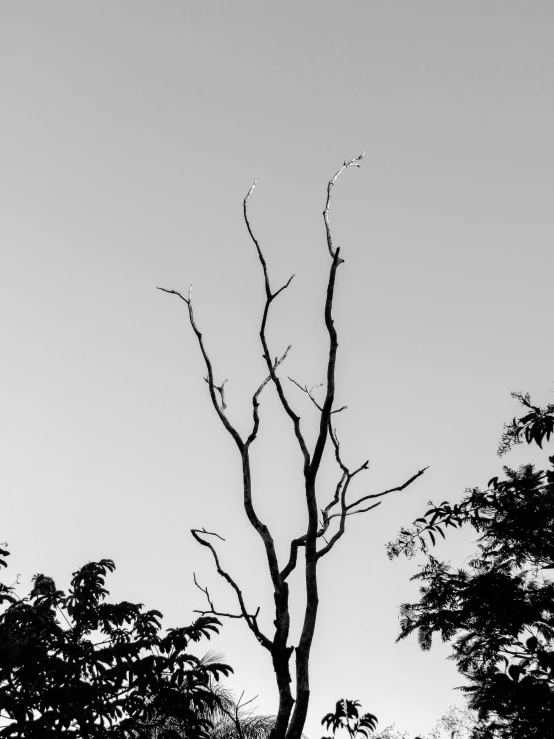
(324, 520)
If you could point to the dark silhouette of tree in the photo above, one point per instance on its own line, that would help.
(455, 724)
(499, 613)
(347, 717)
(76, 666)
(236, 720)
(535, 426)
(228, 718)
(324, 519)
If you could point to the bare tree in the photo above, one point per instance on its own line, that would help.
(319, 538)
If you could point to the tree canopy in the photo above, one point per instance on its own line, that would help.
(75, 665)
(497, 614)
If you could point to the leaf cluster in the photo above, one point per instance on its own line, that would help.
(75, 665)
(536, 425)
(347, 716)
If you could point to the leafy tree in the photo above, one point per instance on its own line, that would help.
(236, 721)
(455, 724)
(324, 519)
(75, 665)
(347, 716)
(228, 718)
(499, 614)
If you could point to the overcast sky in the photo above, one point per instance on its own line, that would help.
(130, 133)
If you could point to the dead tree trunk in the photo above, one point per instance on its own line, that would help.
(293, 702)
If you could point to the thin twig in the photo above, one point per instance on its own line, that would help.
(390, 490)
(211, 384)
(212, 607)
(220, 389)
(356, 162)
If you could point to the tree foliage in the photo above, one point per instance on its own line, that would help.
(236, 719)
(456, 723)
(75, 665)
(347, 717)
(536, 425)
(498, 614)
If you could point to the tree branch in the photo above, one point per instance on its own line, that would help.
(311, 397)
(255, 402)
(391, 490)
(250, 619)
(210, 380)
(340, 494)
(212, 607)
(220, 389)
(356, 162)
(266, 354)
(291, 564)
(253, 518)
(301, 540)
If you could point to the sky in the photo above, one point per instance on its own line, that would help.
(129, 136)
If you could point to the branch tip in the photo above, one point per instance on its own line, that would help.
(175, 292)
(355, 162)
(249, 193)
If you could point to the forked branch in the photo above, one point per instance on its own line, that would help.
(387, 492)
(251, 619)
(269, 298)
(220, 409)
(309, 393)
(346, 509)
(255, 401)
(350, 509)
(253, 518)
(213, 609)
